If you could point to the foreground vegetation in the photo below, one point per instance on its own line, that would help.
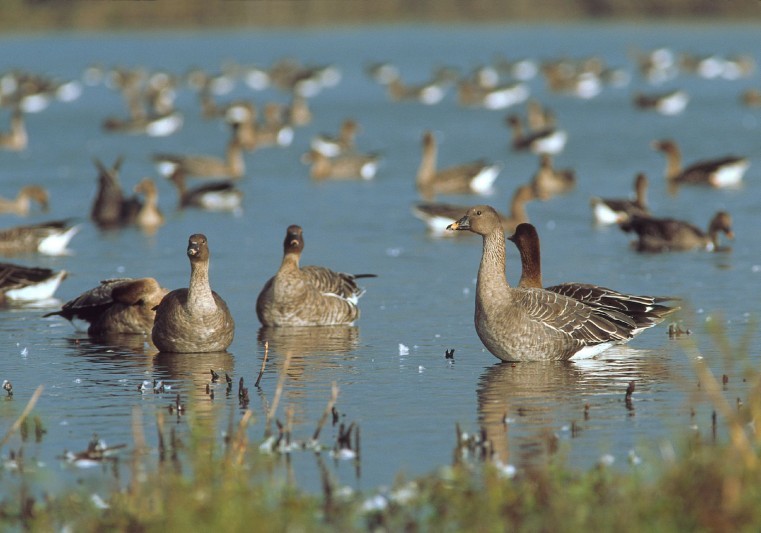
(707, 484)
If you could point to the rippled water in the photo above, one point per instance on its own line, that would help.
(394, 380)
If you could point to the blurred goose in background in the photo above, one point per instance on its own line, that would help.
(232, 166)
(726, 171)
(481, 91)
(549, 140)
(666, 103)
(438, 216)
(149, 217)
(120, 305)
(668, 234)
(548, 181)
(538, 116)
(20, 283)
(23, 201)
(274, 130)
(533, 324)
(751, 98)
(331, 145)
(645, 311)
(476, 177)
(298, 113)
(307, 296)
(16, 138)
(194, 319)
(110, 208)
(49, 238)
(342, 167)
(220, 195)
(428, 93)
(617, 210)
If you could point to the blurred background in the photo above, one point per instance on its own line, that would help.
(30, 15)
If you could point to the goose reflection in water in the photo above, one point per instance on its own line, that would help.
(522, 407)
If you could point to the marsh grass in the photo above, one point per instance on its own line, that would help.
(232, 484)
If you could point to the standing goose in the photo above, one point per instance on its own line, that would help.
(22, 203)
(195, 319)
(721, 172)
(476, 177)
(438, 216)
(533, 324)
(617, 210)
(668, 234)
(116, 306)
(646, 311)
(20, 283)
(308, 296)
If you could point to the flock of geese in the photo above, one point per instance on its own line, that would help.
(523, 323)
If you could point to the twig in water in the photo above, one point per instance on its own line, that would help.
(327, 411)
(29, 406)
(628, 397)
(264, 363)
(278, 392)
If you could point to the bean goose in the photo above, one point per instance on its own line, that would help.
(149, 217)
(532, 324)
(116, 306)
(219, 195)
(347, 166)
(646, 311)
(15, 139)
(110, 208)
(307, 296)
(49, 238)
(548, 181)
(23, 201)
(438, 216)
(194, 319)
(721, 172)
(549, 140)
(668, 234)
(617, 210)
(332, 146)
(20, 283)
(476, 177)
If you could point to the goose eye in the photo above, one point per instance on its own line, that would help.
(478, 212)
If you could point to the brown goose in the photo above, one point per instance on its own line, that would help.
(49, 238)
(23, 201)
(195, 319)
(121, 305)
(16, 138)
(221, 195)
(232, 166)
(346, 166)
(307, 296)
(332, 146)
(532, 324)
(438, 216)
(668, 234)
(721, 172)
(646, 311)
(549, 181)
(549, 140)
(476, 177)
(149, 217)
(617, 210)
(20, 283)
(110, 209)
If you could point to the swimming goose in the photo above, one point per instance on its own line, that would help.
(438, 216)
(220, 195)
(20, 283)
(721, 172)
(549, 181)
(49, 238)
(645, 311)
(617, 210)
(15, 139)
(545, 141)
(110, 208)
(476, 177)
(332, 146)
(532, 324)
(668, 234)
(22, 203)
(666, 103)
(307, 296)
(206, 166)
(119, 305)
(342, 167)
(195, 319)
(149, 217)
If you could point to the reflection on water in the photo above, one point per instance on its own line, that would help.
(522, 406)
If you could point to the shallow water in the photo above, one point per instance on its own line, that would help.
(394, 380)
